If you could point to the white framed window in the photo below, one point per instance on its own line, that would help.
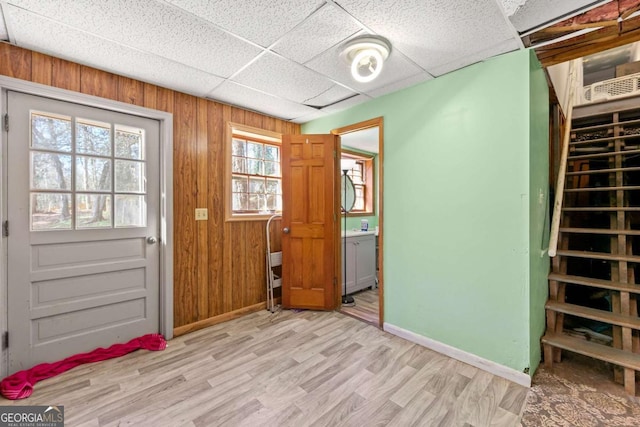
(253, 174)
(362, 176)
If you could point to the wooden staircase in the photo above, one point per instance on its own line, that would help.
(592, 284)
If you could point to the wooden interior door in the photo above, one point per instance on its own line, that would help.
(309, 221)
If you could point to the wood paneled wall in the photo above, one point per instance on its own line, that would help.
(219, 267)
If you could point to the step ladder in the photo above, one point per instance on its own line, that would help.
(273, 260)
(598, 251)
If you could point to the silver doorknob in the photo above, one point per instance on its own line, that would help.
(285, 230)
(151, 240)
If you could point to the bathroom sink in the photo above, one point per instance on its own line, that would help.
(352, 233)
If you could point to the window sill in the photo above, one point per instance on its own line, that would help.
(250, 217)
(350, 214)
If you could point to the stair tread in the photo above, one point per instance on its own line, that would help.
(602, 209)
(607, 154)
(599, 231)
(599, 255)
(584, 189)
(616, 356)
(607, 125)
(597, 171)
(595, 314)
(595, 283)
(608, 138)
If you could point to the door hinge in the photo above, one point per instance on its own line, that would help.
(335, 154)
(6, 122)
(5, 229)
(5, 340)
(335, 281)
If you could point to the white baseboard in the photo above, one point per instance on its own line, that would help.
(463, 356)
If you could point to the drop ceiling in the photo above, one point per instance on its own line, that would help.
(278, 57)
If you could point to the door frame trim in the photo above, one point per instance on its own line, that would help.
(166, 190)
(367, 124)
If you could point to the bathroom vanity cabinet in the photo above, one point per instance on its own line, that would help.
(360, 262)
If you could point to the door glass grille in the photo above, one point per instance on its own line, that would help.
(85, 174)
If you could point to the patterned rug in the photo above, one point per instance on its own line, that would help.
(557, 401)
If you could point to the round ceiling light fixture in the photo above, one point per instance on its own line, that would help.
(366, 56)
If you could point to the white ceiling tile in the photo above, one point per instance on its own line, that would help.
(348, 103)
(43, 35)
(393, 87)
(3, 29)
(162, 30)
(232, 93)
(433, 32)
(335, 94)
(308, 117)
(535, 13)
(397, 67)
(283, 78)
(510, 6)
(262, 22)
(498, 49)
(324, 29)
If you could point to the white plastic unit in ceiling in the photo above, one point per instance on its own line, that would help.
(278, 57)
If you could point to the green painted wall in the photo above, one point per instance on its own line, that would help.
(538, 207)
(456, 205)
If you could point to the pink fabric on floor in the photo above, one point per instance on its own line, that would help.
(20, 385)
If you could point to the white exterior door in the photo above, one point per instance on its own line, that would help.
(83, 199)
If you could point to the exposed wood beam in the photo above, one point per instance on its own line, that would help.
(630, 11)
(596, 41)
(617, 29)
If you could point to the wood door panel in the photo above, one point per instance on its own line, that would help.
(313, 298)
(317, 209)
(309, 202)
(298, 189)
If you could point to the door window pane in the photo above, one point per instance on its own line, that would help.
(93, 138)
(129, 143)
(130, 211)
(93, 174)
(130, 176)
(93, 210)
(75, 179)
(51, 211)
(50, 171)
(50, 133)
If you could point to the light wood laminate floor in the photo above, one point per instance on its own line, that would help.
(285, 369)
(366, 306)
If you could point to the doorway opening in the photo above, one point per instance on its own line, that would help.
(362, 226)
